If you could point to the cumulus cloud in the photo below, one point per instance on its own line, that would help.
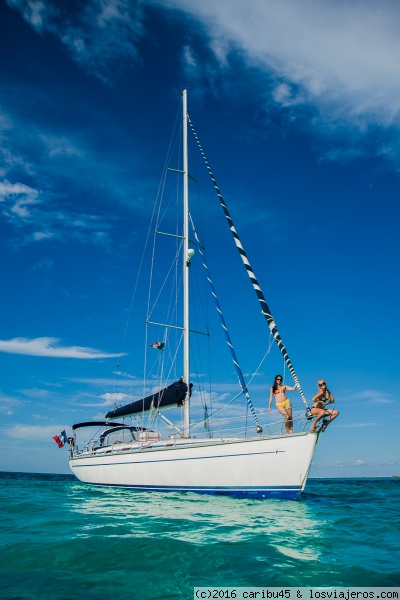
(47, 346)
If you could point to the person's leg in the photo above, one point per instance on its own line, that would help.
(283, 412)
(319, 413)
(289, 416)
(333, 413)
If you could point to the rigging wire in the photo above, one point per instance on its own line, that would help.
(235, 361)
(203, 382)
(212, 414)
(150, 227)
(264, 306)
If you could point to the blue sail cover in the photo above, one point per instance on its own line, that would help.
(167, 397)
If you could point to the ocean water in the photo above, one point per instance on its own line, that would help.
(61, 538)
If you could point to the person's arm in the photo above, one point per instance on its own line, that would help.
(291, 388)
(318, 396)
(270, 400)
(331, 398)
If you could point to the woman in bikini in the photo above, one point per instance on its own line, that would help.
(278, 391)
(320, 400)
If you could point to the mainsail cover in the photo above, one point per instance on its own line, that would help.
(174, 394)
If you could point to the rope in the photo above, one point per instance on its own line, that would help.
(264, 306)
(235, 361)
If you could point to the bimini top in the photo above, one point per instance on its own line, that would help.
(95, 424)
(174, 394)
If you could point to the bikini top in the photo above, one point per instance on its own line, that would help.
(280, 391)
(325, 396)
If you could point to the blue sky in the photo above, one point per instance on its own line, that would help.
(297, 107)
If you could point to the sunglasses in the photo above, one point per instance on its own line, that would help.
(279, 379)
(321, 384)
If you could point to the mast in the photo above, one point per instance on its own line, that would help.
(186, 365)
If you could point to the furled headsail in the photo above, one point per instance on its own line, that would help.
(173, 394)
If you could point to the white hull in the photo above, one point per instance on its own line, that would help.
(264, 467)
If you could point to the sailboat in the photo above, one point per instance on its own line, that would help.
(129, 448)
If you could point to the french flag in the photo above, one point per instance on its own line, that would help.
(60, 439)
(158, 345)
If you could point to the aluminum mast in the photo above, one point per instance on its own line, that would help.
(186, 363)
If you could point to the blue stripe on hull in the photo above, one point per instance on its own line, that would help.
(165, 460)
(290, 492)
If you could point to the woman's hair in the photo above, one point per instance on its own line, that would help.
(275, 386)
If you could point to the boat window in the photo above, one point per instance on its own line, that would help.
(117, 435)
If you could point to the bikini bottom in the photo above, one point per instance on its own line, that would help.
(283, 404)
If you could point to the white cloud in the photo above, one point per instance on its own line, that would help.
(21, 196)
(41, 214)
(9, 404)
(33, 11)
(116, 397)
(33, 432)
(96, 33)
(47, 346)
(127, 375)
(341, 57)
(35, 393)
(21, 206)
(38, 236)
(104, 382)
(9, 190)
(46, 263)
(60, 146)
(376, 396)
(341, 464)
(331, 51)
(353, 425)
(337, 464)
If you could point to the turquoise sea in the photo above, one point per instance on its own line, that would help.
(61, 538)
